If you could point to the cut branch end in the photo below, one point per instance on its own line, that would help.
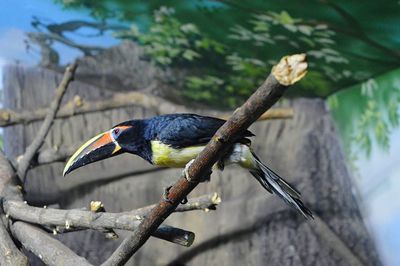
(290, 69)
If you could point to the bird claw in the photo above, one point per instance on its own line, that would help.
(204, 178)
(186, 170)
(165, 196)
(220, 165)
(184, 201)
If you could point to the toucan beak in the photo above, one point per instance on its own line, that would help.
(98, 148)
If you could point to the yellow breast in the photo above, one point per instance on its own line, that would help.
(165, 155)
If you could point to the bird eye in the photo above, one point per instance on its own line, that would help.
(116, 131)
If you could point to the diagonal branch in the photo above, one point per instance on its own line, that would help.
(9, 253)
(49, 250)
(287, 72)
(47, 123)
(46, 248)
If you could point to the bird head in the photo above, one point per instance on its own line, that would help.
(119, 139)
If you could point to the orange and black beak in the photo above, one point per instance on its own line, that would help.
(98, 148)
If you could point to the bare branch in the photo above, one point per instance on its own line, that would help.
(205, 202)
(47, 123)
(48, 249)
(9, 253)
(288, 71)
(78, 106)
(105, 220)
(48, 156)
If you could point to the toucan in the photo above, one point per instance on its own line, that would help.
(174, 140)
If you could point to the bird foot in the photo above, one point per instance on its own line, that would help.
(166, 193)
(204, 178)
(186, 170)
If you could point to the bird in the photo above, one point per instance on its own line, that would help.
(174, 140)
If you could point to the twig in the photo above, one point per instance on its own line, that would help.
(98, 206)
(48, 121)
(48, 249)
(205, 202)
(78, 219)
(52, 155)
(47, 156)
(119, 100)
(288, 71)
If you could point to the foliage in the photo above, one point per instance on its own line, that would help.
(226, 47)
(171, 42)
(344, 42)
(375, 106)
(168, 40)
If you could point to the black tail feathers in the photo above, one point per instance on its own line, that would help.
(273, 183)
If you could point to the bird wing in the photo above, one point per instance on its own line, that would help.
(184, 130)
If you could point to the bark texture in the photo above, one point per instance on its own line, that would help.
(251, 227)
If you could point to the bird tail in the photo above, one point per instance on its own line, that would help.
(273, 183)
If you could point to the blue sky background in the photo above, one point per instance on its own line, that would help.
(15, 20)
(378, 177)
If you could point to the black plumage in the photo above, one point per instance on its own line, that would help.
(185, 130)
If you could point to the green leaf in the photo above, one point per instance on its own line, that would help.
(190, 55)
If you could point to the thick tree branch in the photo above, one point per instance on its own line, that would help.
(31, 237)
(32, 149)
(87, 219)
(119, 100)
(9, 253)
(288, 71)
(105, 221)
(49, 250)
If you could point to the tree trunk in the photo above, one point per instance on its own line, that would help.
(251, 227)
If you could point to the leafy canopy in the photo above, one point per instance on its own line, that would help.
(230, 44)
